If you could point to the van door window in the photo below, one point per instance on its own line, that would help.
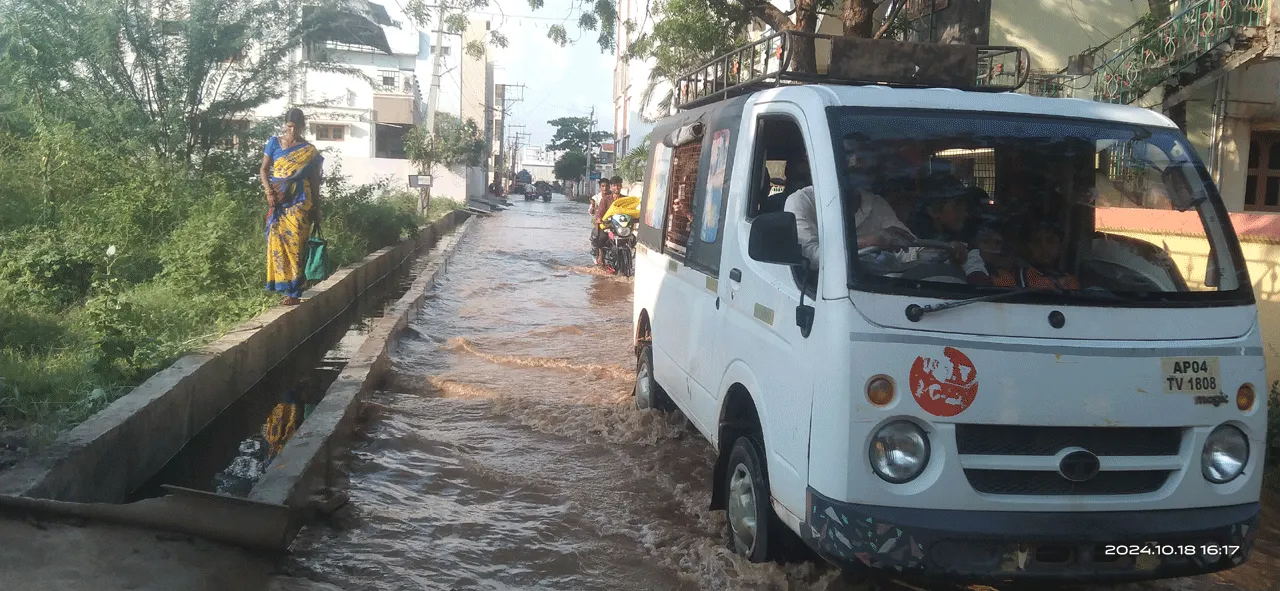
(711, 200)
(684, 179)
(782, 165)
(653, 214)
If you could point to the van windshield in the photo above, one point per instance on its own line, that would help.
(967, 203)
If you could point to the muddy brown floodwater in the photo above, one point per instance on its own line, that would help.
(505, 452)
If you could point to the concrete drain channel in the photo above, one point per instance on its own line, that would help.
(257, 436)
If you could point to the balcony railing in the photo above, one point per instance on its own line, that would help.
(1145, 55)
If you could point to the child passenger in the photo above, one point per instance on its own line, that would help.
(1041, 250)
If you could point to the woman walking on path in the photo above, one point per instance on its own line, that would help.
(291, 177)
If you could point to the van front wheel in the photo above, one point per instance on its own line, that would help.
(748, 507)
(648, 393)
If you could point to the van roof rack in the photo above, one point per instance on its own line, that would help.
(771, 62)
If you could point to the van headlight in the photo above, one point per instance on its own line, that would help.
(1225, 454)
(899, 451)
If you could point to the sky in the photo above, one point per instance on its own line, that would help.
(558, 81)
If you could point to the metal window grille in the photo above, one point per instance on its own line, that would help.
(977, 168)
(684, 178)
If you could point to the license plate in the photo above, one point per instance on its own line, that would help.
(1191, 375)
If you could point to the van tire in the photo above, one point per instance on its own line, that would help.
(752, 529)
(648, 393)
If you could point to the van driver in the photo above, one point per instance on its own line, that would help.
(877, 224)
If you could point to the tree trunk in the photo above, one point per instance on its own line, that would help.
(805, 53)
(857, 18)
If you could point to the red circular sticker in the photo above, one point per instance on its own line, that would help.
(944, 386)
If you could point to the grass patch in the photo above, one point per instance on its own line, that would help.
(109, 276)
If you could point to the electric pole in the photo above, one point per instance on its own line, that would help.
(591, 132)
(515, 145)
(433, 95)
(437, 51)
(507, 99)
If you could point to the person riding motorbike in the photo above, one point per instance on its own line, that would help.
(628, 205)
(608, 194)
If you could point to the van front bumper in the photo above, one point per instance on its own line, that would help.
(994, 546)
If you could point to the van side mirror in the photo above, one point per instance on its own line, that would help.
(774, 239)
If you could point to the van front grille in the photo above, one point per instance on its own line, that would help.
(1027, 482)
(1018, 440)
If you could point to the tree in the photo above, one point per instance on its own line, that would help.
(632, 165)
(595, 15)
(571, 166)
(172, 76)
(688, 33)
(857, 17)
(575, 134)
(455, 143)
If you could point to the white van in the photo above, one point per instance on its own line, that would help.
(1062, 386)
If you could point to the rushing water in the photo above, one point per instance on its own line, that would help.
(505, 452)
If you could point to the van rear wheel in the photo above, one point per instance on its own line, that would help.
(748, 509)
(648, 393)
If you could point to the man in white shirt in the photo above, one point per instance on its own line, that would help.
(595, 199)
(877, 224)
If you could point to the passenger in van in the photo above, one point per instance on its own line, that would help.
(900, 192)
(946, 211)
(1041, 249)
(992, 258)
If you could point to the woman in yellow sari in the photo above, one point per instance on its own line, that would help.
(291, 177)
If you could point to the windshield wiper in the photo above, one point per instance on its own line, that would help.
(915, 311)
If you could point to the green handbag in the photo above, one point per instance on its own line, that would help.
(318, 267)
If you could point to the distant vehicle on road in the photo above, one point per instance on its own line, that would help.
(950, 347)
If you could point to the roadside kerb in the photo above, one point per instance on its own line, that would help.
(121, 447)
(303, 465)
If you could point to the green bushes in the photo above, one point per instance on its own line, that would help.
(113, 265)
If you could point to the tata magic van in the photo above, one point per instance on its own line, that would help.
(1052, 376)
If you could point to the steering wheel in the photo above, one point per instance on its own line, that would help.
(946, 247)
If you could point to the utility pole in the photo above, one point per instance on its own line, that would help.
(515, 145)
(437, 51)
(591, 132)
(433, 96)
(507, 99)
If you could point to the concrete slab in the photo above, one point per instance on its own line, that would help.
(119, 448)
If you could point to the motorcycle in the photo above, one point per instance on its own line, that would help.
(545, 194)
(619, 225)
(619, 252)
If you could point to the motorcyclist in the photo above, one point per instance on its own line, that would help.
(595, 199)
(608, 194)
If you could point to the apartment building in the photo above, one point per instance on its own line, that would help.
(359, 118)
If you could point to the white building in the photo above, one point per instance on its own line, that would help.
(359, 121)
(540, 162)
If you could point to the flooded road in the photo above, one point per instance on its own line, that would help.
(505, 451)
